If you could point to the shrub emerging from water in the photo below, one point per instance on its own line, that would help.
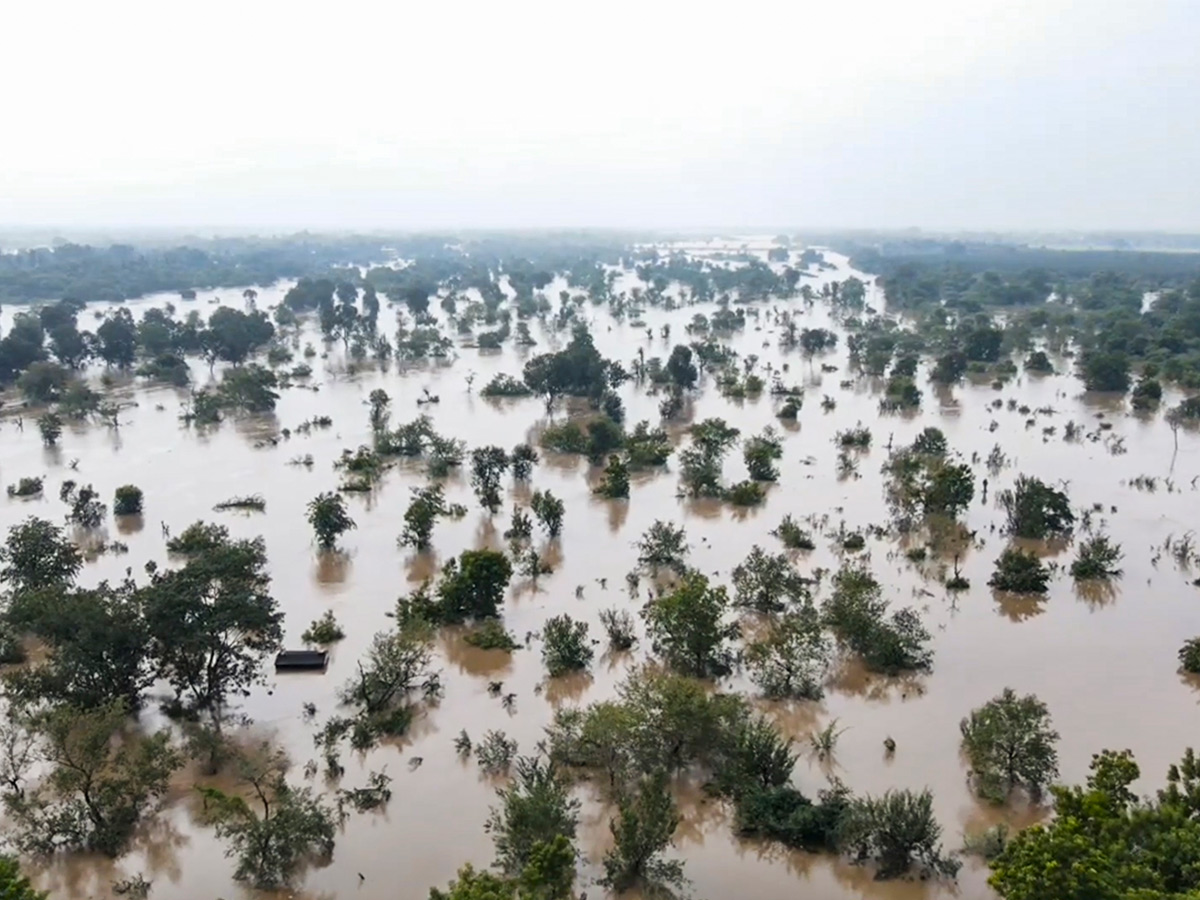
(549, 511)
(745, 493)
(329, 519)
(535, 808)
(687, 627)
(490, 634)
(858, 616)
(792, 535)
(897, 830)
(1035, 510)
(767, 582)
(1020, 572)
(26, 487)
(761, 453)
(1189, 656)
(128, 501)
(615, 483)
(620, 627)
(1098, 558)
(324, 630)
(565, 645)
(646, 820)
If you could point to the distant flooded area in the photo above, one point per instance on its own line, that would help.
(1102, 655)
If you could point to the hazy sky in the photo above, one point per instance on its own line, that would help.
(871, 113)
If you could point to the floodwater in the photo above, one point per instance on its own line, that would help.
(1105, 664)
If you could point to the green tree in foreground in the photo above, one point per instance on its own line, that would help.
(14, 885)
(100, 782)
(1107, 844)
(1020, 572)
(1009, 742)
(1035, 510)
(276, 829)
(38, 555)
(534, 809)
(565, 645)
(641, 831)
(328, 517)
(897, 830)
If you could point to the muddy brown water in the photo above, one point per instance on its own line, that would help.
(1104, 662)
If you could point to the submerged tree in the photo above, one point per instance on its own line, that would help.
(329, 519)
(1098, 558)
(791, 658)
(1035, 510)
(534, 809)
(549, 511)
(565, 646)
(645, 823)
(687, 627)
(1009, 742)
(663, 546)
(1020, 572)
(100, 782)
(427, 504)
(275, 829)
(897, 830)
(488, 465)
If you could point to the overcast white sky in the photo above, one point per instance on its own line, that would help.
(867, 113)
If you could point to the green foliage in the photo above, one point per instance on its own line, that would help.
(488, 465)
(549, 511)
(897, 830)
(503, 385)
(495, 752)
(1097, 558)
(329, 519)
(427, 505)
(1147, 394)
(1105, 843)
(1039, 363)
(745, 493)
(26, 487)
(619, 625)
(213, 621)
(857, 614)
(1009, 742)
(1189, 656)
(394, 667)
(523, 459)
(663, 546)
(642, 830)
(50, 427)
(791, 658)
(14, 885)
(761, 453)
(687, 627)
(792, 535)
(927, 483)
(472, 587)
(1102, 371)
(97, 788)
(1035, 510)
(324, 630)
(646, 447)
(276, 830)
(767, 582)
(38, 555)
(127, 500)
(1020, 572)
(535, 808)
(490, 634)
(577, 370)
(565, 645)
(86, 509)
(198, 538)
(248, 389)
(615, 483)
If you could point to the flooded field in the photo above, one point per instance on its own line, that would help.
(1104, 661)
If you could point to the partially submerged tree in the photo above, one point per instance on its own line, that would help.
(1009, 742)
(1020, 572)
(791, 658)
(275, 829)
(663, 546)
(897, 830)
(1097, 558)
(565, 645)
(1035, 510)
(645, 823)
(766, 582)
(488, 465)
(329, 519)
(100, 783)
(535, 808)
(549, 511)
(688, 630)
